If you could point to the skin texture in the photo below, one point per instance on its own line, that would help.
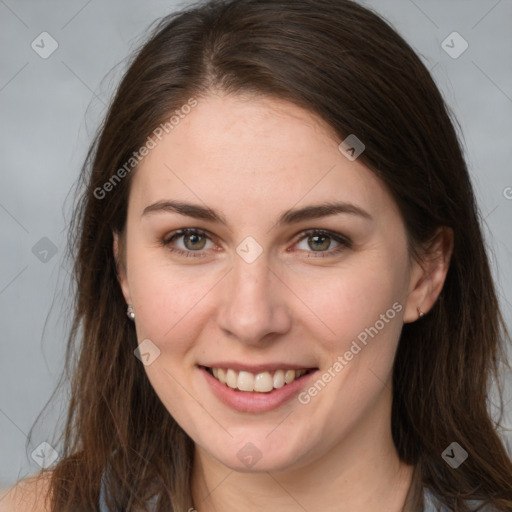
(28, 495)
(252, 158)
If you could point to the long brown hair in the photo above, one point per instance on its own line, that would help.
(347, 65)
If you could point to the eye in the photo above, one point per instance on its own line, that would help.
(195, 240)
(320, 241)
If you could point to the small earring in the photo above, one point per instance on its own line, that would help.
(420, 313)
(130, 313)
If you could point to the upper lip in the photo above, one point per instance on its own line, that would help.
(256, 368)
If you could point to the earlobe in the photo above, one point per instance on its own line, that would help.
(428, 277)
(119, 259)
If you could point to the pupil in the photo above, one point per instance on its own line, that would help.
(193, 239)
(317, 239)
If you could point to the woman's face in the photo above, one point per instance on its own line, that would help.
(269, 282)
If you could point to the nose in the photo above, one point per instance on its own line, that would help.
(253, 305)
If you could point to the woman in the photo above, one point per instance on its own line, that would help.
(223, 363)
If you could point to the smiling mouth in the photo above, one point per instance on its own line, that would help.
(262, 382)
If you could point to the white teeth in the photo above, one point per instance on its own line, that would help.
(289, 376)
(245, 381)
(279, 379)
(231, 378)
(262, 382)
(221, 375)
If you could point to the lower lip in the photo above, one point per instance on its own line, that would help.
(251, 401)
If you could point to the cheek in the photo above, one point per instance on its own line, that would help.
(166, 301)
(342, 302)
(168, 306)
(163, 295)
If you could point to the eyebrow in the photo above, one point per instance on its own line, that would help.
(292, 216)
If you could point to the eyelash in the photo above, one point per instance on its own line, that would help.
(345, 243)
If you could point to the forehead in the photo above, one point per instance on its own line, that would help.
(251, 154)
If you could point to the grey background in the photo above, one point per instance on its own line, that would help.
(50, 108)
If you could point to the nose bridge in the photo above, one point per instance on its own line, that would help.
(251, 281)
(252, 306)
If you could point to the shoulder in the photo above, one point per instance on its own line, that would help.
(27, 495)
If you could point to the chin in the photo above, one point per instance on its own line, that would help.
(257, 453)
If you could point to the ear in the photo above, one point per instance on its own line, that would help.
(119, 258)
(427, 277)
